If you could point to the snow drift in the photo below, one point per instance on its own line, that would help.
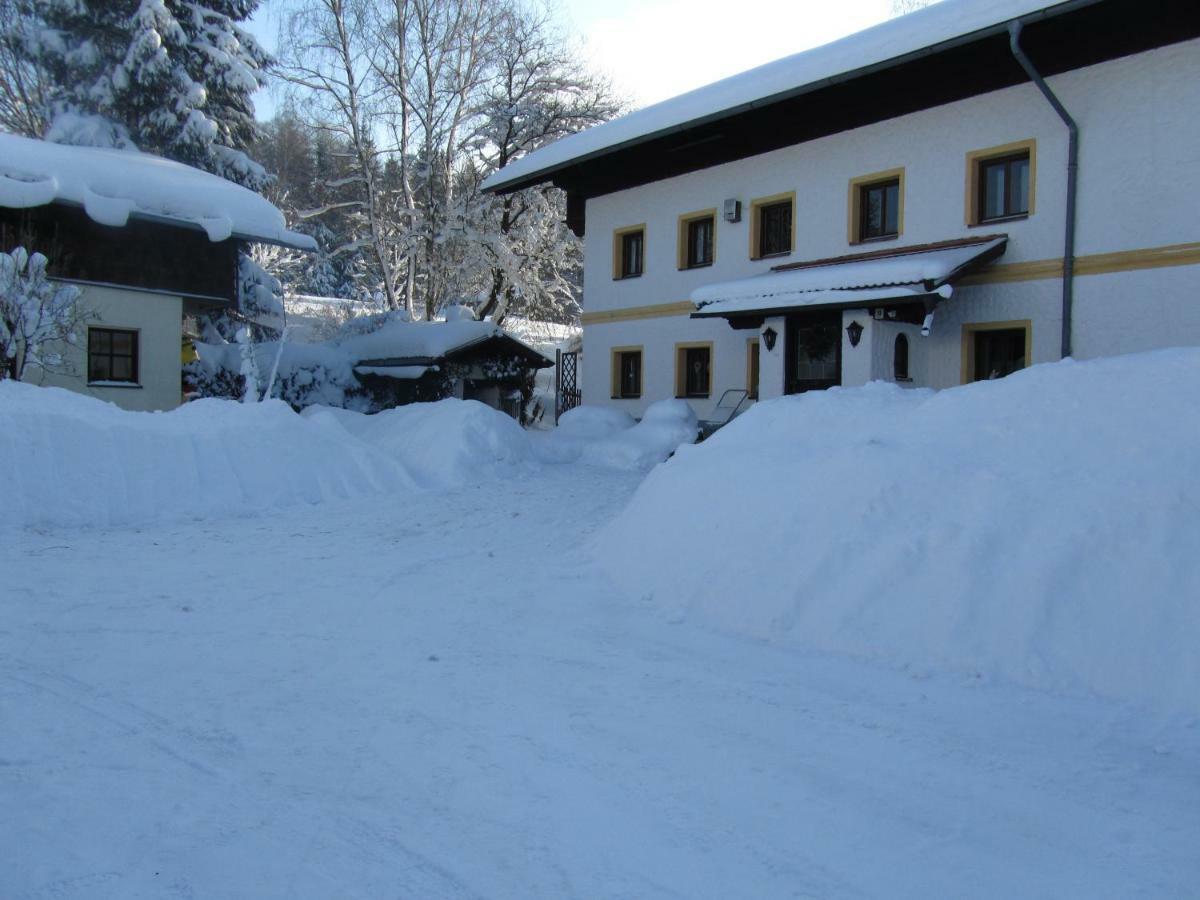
(1044, 528)
(72, 460)
(443, 444)
(611, 438)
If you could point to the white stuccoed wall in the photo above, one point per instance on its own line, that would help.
(1139, 175)
(158, 319)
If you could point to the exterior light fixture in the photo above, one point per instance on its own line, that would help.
(854, 332)
(768, 337)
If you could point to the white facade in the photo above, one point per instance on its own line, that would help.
(1136, 289)
(157, 320)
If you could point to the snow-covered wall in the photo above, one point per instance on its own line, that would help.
(1139, 171)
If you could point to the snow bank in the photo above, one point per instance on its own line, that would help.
(70, 460)
(444, 444)
(611, 439)
(111, 185)
(1044, 528)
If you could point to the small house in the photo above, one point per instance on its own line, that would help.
(149, 241)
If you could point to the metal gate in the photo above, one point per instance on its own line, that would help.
(567, 395)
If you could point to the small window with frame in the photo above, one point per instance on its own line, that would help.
(112, 356)
(627, 373)
(629, 252)
(1001, 183)
(879, 210)
(697, 239)
(693, 370)
(771, 226)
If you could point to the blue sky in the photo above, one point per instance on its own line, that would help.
(655, 49)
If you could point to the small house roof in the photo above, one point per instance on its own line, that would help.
(114, 185)
(399, 343)
(905, 273)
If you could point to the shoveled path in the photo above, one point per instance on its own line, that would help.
(439, 696)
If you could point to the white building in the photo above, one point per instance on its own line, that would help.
(792, 227)
(149, 241)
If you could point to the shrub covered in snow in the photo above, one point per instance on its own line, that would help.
(1043, 527)
(37, 316)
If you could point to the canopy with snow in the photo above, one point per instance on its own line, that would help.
(113, 186)
(894, 276)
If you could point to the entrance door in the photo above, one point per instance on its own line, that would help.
(813, 351)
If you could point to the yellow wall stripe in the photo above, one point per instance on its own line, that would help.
(1002, 273)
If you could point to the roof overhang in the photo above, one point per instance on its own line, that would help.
(922, 273)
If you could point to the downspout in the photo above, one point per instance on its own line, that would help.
(1068, 288)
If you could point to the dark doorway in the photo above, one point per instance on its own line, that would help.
(813, 349)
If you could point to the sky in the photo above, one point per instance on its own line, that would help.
(655, 49)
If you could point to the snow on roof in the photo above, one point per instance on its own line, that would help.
(910, 272)
(397, 339)
(112, 185)
(898, 37)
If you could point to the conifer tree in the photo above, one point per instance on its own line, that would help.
(172, 77)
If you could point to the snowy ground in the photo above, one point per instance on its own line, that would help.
(439, 695)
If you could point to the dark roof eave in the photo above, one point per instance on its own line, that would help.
(168, 222)
(545, 174)
(784, 310)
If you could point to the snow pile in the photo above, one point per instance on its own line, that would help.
(76, 461)
(610, 438)
(444, 444)
(1043, 528)
(71, 460)
(112, 185)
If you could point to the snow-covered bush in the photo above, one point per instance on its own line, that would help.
(37, 316)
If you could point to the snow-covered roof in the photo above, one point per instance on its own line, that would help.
(907, 273)
(397, 339)
(899, 37)
(113, 185)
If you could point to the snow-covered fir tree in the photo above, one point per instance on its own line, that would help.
(173, 77)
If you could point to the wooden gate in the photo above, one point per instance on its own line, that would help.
(567, 395)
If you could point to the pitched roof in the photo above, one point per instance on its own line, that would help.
(922, 30)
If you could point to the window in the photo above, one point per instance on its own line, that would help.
(771, 223)
(879, 210)
(1000, 183)
(697, 239)
(900, 359)
(626, 373)
(629, 252)
(112, 355)
(693, 370)
(752, 363)
(995, 349)
(1004, 188)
